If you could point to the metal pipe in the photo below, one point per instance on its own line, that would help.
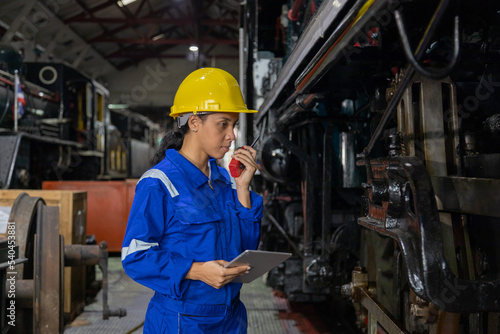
(16, 102)
(302, 103)
(308, 190)
(388, 112)
(81, 255)
(296, 150)
(431, 28)
(103, 265)
(25, 289)
(431, 73)
(327, 184)
(283, 232)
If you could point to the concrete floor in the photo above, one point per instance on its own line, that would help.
(123, 292)
(262, 307)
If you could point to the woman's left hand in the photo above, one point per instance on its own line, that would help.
(246, 156)
(214, 273)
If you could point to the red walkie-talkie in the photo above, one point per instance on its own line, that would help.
(235, 166)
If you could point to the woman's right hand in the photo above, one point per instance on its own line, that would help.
(214, 274)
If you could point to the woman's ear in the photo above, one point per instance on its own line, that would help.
(193, 123)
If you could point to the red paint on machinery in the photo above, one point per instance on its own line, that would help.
(108, 207)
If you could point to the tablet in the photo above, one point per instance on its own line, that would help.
(259, 261)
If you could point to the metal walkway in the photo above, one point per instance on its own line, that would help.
(263, 310)
(262, 307)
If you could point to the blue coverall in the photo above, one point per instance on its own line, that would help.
(180, 216)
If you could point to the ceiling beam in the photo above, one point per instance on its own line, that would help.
(91, 11)
(128, 14)
(103, 27)
(152, 20)
(18, 22)
(182, 27)
(165, 41)
(172, 56)
(83, 53)
(143, 2)
(12, 6)
(210, 4)
(82, 16)
(59, 25)
(112, 32)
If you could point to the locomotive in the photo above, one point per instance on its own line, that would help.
(67, 131)
(380, 161)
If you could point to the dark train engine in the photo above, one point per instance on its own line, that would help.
(66, 131)
(380, 166)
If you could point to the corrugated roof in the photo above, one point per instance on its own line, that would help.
(98, 36)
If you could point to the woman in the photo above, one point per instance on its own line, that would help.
(188, 220)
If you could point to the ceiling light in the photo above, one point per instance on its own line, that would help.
(157, 37)
(117, 106)
(193, 48)
(123, 3)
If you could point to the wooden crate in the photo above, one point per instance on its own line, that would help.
(109, 204)
(72, 223)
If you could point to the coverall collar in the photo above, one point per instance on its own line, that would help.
(215, 173)
(193, 173)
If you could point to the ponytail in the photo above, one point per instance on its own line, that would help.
(173, 139)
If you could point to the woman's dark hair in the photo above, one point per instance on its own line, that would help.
(173, 139)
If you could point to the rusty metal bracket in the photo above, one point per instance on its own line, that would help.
(78, 255)
(400, 203)
(103, 265)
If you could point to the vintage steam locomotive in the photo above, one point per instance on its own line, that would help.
(381, 161)
(67, 131)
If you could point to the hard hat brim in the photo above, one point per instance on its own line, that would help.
(246, 111)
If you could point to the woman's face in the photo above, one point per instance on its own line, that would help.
(216, 133)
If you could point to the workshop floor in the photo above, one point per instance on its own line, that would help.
(263, 308)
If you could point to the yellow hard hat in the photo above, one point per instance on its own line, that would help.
(208, 89)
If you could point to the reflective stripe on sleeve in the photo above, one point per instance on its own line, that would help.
(158, 174)
(136, 245)
(233, 182)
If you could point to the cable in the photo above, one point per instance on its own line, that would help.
(435, 74)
